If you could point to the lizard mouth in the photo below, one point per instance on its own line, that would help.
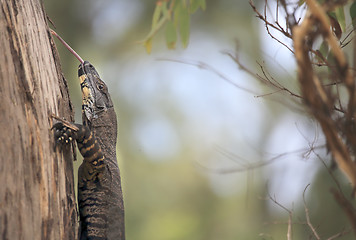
(87, 92)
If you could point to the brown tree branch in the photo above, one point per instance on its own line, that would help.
(318, 100)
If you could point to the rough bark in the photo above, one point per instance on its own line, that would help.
(37, 193)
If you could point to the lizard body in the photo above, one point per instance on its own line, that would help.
(100, 117)
(99, 186)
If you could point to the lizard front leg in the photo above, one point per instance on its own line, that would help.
(93, 158)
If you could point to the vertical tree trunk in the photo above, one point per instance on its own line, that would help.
(36, 193)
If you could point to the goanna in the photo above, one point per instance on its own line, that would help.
(99, 186)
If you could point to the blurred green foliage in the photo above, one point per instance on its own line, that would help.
(174, 15)
(180, 125)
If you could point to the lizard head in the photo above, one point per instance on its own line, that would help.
(95, 95)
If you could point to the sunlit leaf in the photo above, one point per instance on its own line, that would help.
(353, 13)
(148, 45)
(171, 35)
(158, 20)
(175, 17)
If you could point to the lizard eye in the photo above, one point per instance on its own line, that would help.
(100, 86)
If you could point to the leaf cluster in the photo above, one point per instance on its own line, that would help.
(172, 16)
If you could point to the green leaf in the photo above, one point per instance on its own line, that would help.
(166, 12)
(156, 14)
(196, 4)
(148, 45)
(203, 4)
(176, 14)
(332, 14)
(353, 13)
(160, 16)
(324, 49)
(301, 2)
(340, 16)
(184, 3)
(331, 59)
(171, 35)
(184, 25)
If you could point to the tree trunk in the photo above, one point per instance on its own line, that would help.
(37, 193)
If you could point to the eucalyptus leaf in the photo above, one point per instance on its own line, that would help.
(353, 13)
(171, 35)
(196, 4)
(184, 25)
(148, 45)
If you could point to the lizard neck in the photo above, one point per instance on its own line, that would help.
(105, 131)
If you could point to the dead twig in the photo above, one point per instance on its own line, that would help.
(315, 233)
(340, 234)
(207, 67)
(264, 19)
(290, 216)
(65, 123)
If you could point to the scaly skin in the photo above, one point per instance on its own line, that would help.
(99, 186)
(100, 205)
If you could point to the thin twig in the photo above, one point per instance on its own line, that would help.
(260, 16)
(65, 123)
(340, 234)
(277, 27)
(254, 165)
(290, 217)
(205, 66)
(276, 84)
(316, 235)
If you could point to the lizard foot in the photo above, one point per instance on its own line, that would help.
(62, 133)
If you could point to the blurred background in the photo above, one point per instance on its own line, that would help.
(203, 149)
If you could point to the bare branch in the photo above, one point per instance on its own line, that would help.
(290, 216)
(320, 103)
(264, 19)
(205, 66)
(316, 235)
(340, 234)
(245, 166)
(276, 84)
